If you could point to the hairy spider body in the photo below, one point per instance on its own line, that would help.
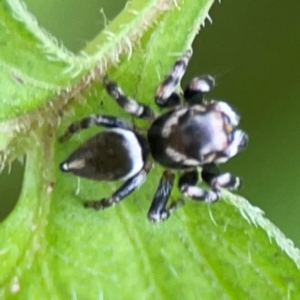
(194, 134)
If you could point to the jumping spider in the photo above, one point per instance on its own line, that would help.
(192, 134)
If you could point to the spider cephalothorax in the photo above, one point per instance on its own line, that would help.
(192, 134)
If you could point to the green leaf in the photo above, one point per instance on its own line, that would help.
(53, 248)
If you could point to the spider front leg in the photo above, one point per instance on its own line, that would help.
(95, 120)
(217, 180)
(193, 94)
(188, 186)
(213, 177)
(130, 105)
(165, 94)
(124, 191)
(158, 210)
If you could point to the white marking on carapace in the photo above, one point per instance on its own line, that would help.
(175, 155)
(179, 157)
(173, 120)
(191, 162)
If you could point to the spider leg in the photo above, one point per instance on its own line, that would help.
(123, 191)
(158, 210)
(193, 94)
(217, 180)
(187, 186)
(165, 94)
(95, 120)
(130, 105)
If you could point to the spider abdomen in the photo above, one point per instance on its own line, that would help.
(110, 155)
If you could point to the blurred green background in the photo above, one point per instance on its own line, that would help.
(253, 50)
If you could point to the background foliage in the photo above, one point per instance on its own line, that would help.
(253, 51)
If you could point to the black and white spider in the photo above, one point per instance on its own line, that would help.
(193, 133)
